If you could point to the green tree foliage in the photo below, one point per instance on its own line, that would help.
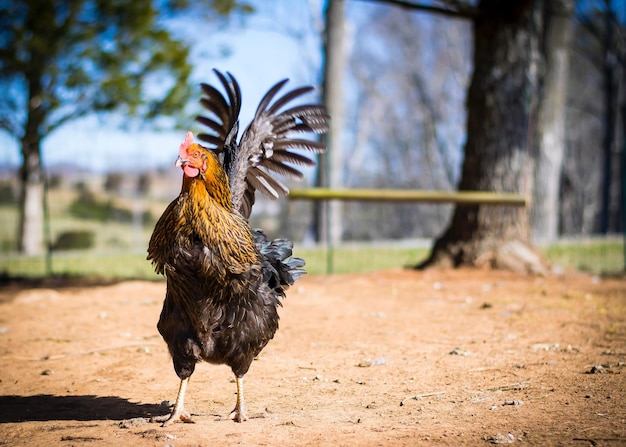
(63, 59)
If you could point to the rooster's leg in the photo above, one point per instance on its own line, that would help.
(239, 413)
(178, 413)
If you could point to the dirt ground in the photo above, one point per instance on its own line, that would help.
(390, 358)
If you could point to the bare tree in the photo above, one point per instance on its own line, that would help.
(549, 139)
(501, 101)
(501, 105)
(406, 118)
(592, 170)
(518, 109)
(331, 163)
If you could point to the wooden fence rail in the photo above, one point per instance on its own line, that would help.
(409, 195)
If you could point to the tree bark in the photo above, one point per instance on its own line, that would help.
(32, 177)
(550, 133)
(31, 219)
(501, 100)
(610, 106)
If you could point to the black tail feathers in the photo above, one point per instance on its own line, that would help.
(280, 270)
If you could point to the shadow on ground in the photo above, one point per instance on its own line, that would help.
(46, 407)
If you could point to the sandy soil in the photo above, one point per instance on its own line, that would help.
(390, 358)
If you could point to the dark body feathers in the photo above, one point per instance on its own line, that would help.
(225, 281)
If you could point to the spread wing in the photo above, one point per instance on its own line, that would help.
(223, 122)
(268, 143)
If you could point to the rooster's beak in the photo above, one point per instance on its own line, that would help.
(180, 161)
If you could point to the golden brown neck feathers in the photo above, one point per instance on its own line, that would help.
(211, 182)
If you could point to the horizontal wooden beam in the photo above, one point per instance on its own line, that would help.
(410, 195)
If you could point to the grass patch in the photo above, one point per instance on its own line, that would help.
(597, 257)
(135, 265)
(594, 256)
(360, 259)
(80, 264)
(8, 228)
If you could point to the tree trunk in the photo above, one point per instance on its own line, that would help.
(330, 171)
(610, 109)
(500, 106)
(550, 132)
(31, 219)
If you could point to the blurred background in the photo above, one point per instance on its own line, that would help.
(96, 97)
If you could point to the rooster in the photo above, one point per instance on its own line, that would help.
(225, 280)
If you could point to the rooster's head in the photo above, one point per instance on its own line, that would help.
(193, 158)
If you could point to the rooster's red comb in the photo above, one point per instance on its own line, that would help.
(184, 146)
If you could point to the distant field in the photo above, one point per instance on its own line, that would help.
(119, 250)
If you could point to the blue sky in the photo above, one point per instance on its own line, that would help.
(276, 42)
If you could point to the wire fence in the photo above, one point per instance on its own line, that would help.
(380, 235)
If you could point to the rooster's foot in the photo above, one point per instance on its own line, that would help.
(178, 414)
(238, 415)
